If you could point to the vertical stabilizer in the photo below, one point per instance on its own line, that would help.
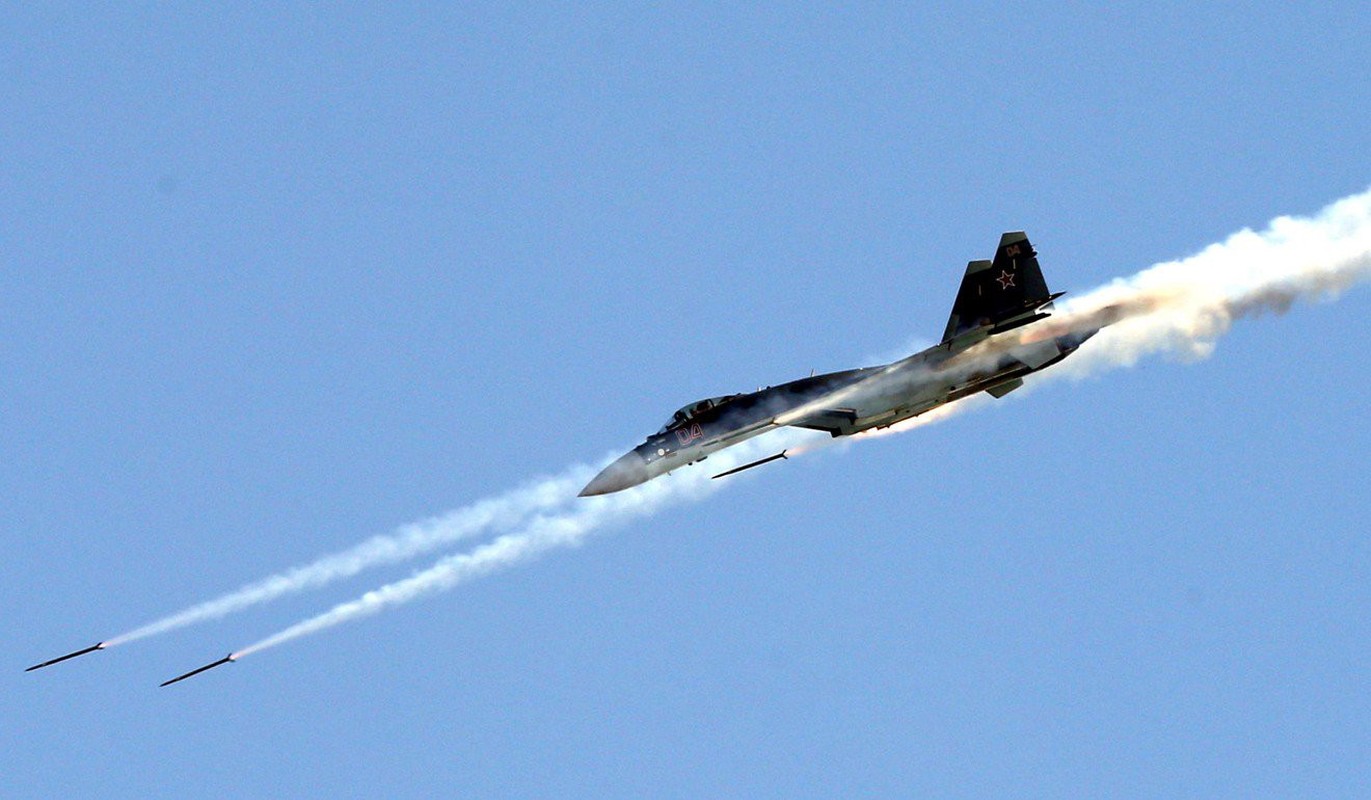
(995, 291)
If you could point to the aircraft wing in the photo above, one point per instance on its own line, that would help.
(834, 421)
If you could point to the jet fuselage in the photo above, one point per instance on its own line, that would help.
(841, 403)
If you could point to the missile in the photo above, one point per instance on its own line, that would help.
(756, 463)
(91, 649)
(226, 659)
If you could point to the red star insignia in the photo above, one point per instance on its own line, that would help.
(1006, 279)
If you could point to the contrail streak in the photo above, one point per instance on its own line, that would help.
(1184, 306)
(493, 514)
(1179, 306)
(567, 529)
(541, 533)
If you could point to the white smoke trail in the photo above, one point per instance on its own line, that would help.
(568, 529)
(1184, 306)
(544, 532)
(494, 514)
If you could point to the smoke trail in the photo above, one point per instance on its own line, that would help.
(542, 533)
(546, 532)
(1184, 306)
(493, 514)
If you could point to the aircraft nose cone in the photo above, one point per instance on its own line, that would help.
(630, 469)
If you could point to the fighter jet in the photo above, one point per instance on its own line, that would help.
(978, 353)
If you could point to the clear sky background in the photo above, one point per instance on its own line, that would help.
(276, 280)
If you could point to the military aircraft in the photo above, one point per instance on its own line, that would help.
(996, 297)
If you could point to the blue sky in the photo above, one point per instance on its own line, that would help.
(280, 279)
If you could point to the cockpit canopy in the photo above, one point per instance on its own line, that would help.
(689, 412)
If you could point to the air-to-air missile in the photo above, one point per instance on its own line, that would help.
(756, 463)
(60, 659)
(226, 659)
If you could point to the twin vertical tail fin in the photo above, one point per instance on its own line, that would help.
(1001, 294)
